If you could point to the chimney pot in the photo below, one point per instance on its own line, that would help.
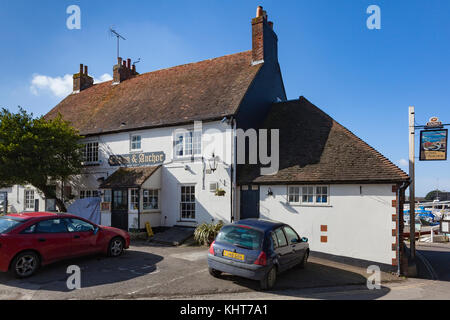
(259, 11)
(81, 69)
(86, 70)
(119, 61)
(129, 63)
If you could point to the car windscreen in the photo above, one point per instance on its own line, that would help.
(243, 237)
(7, 224)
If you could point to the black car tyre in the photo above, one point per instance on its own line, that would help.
(302, 264)
(269, 279)
(115, 248)
(215, 273)
(25, 264)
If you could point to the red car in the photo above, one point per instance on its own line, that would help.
(31, 240)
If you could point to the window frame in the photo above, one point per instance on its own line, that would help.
(26, 200)
(284, 235)
(95, 156)
(63, 221)
(152, 195)
(314, 194)
(192, 141)
(131, 142)
(194, 203)
(133, 203)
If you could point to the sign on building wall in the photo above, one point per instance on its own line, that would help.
(433, 145)
(137, 159)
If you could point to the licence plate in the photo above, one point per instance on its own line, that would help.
(233, 255)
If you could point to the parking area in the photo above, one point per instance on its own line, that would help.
(162, 272)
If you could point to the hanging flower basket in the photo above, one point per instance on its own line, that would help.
(220, 192)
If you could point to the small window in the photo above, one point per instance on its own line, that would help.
(322, 194)
(134, 199)
(29, 199)
(107, 195)
(294, 194)
(187, 143)
(150, 199)
(308, 194)
(187, 205)
(213, 187)
(282, 242)
(90, 152)
(136, 142)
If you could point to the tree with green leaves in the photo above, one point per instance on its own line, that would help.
(36, 151)
(432, 195)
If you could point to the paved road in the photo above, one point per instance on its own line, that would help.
(436, 258)
(166, 272)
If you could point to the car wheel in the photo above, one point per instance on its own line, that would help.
(115, 247)
(302, 264)
(215, 273)
(25, 264)
(269, 279)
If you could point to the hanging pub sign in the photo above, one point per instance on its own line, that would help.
(433, 145)
(137, 159)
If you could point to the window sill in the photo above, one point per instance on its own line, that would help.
(326, 205)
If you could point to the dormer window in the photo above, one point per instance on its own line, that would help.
(135, 143)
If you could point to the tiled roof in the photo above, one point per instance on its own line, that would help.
(129, 177)
(205, 90)
(316, 149)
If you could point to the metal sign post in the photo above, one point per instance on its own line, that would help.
(412, 200)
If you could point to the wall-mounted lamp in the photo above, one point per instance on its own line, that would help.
(269, 192)
(213, 163)
(101, 180)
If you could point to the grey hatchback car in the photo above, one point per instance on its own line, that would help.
(257, 249)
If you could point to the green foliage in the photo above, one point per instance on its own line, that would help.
(432, 195)
(207, 232)
(34, 150)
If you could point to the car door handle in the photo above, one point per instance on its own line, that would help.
(42, 240)
(76, 237)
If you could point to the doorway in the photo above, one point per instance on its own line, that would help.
(249, 202)
(119, 209)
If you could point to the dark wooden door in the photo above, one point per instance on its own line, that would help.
(249, 202)
(119, 209)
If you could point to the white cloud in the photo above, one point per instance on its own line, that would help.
(105, 77)
(403, 162)
(58, 86)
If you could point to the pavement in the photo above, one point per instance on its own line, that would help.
(154, 271)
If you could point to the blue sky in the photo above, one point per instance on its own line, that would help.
(365, 79)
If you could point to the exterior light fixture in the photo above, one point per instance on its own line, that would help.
(269, 192)
(213, 163)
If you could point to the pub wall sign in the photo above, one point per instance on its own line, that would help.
(137, 159)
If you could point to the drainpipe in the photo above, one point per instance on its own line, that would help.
(139, 209)
(232, 167)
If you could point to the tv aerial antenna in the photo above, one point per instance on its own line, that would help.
(119, 37)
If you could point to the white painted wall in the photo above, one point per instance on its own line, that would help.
(16, 198)
(217, 138)
(359, 225)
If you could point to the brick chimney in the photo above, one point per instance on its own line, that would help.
(264, 39)
(123, 70)
(82, 80)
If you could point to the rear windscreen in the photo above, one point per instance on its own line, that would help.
(8, 224)
(241, 237)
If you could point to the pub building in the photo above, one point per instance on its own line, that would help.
(160, 147)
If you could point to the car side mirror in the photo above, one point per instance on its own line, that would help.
(96, 230)
(305, 239)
